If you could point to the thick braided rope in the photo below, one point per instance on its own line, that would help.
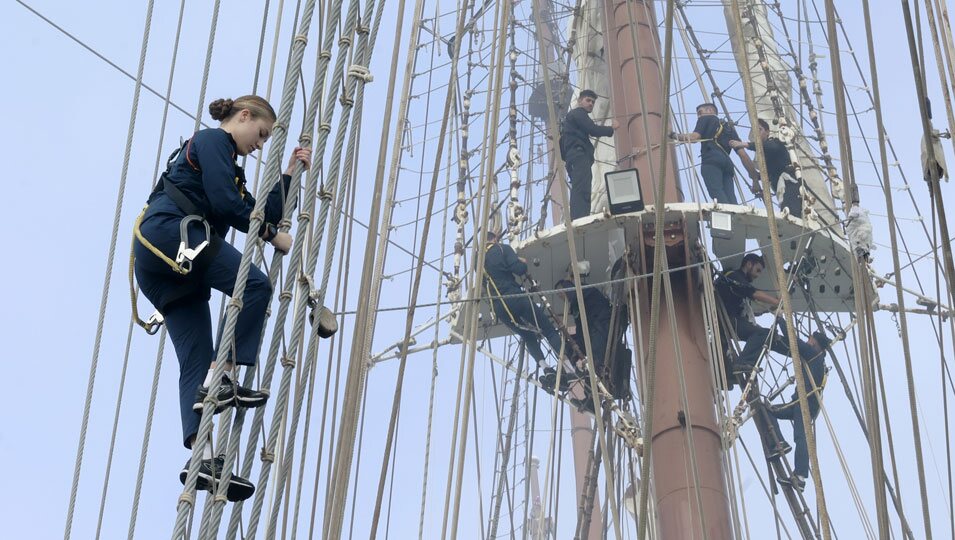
(341, 189)
(208, 64)
(301, 304)
(298, 323)
(362, 54)
(280, 135)
(305, 224)
(121, 192)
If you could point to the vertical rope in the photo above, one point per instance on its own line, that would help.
(117, 216)
(783, 289)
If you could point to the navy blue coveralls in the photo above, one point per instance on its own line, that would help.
(205, 172)
(518, 313)
(598, 322)
(734, 288)
(715, 164)
(578, 152)
(814, 360)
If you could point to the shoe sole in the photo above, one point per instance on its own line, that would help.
(238, 490)
(221, 406)
(251, 403)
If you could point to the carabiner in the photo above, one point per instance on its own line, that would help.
(186, 255)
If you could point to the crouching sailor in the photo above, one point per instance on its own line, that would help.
(180, 255)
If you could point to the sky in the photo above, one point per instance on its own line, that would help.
(71, 111)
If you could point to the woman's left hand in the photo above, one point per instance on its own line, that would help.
(299, 154)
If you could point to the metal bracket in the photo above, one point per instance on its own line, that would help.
(186, 255)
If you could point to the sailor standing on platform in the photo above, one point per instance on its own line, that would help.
(196, 201)
(717, 138)
(599, 313)
(780, 171)
(516, 309)
(578, 152)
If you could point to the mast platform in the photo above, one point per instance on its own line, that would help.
(820, 253)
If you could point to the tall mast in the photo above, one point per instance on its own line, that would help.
(634, 60)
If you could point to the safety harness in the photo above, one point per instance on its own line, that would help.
(187, 258)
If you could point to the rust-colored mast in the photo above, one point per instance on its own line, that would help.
(679, 514)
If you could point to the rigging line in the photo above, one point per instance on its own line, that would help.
(502, 445)
(784, 293)
(434, 366)
(121, 193)
(105, 59)
(336, 188)
(162, 337)
(478, 274)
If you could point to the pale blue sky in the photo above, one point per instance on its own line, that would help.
(68, 113)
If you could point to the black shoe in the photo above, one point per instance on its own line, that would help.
(782, 448)
(225, 396)
(547, 382)
(744, 369)
(210, 471)
(797, 482)
(231, 393)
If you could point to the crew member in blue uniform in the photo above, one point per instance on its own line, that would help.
(813, 355)
(181, 255)
(780, 170)
(717, 138)
(578, 152)
(735, 288)
(597, 306)
(519, 313)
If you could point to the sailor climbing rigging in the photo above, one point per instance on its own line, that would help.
(180, 255)
(780, 171)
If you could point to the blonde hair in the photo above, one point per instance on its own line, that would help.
(223, 109)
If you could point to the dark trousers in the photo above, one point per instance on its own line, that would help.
(792, 200)
(755, 337)
(189, 324)
(717, 175)
(528, 316)
(794, 413)
(580, 170)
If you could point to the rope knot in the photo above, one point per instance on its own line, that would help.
(362, 29)
(345, 41)
(285, 224)
(220, 498)
(325, 55)
(361, 73)
(288, 362)
(305, 139)
(257, 214)
(286, 296)
(279, 125)
(346, 101)
(267, 456)
(325, 126)
(187, 498)
(301, 38)
(304, 217)
(236, 303)
(325, 195)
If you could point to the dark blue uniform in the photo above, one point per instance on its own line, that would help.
(814, 360)
(598, 322)
(734, 288)
(205, 172)
(519, 313)
(715, 164)
(578, 152)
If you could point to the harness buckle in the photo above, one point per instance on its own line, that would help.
(186, 255)
(154, 322)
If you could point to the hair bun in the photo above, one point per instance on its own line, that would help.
(220, 109)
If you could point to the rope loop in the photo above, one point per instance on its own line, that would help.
(257, 214)
(345, 41)
(300, 38)
(219, 498)
(288, 362)
(362, 29)
(361, 73)
(236, 303)
(325, 126)
(279, 125)
(304, 217)
(325, 55)
(286, 296)
(188, 499)
(266, 456)
(305, 139)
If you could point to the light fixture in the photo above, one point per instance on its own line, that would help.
(623, 191)
(721, 225)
